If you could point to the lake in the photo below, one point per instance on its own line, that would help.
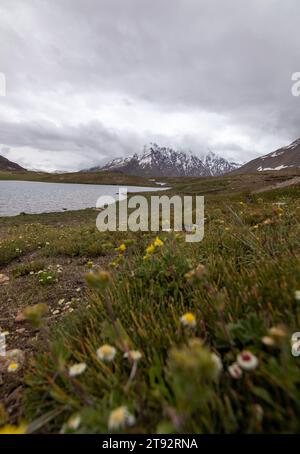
(34, 197)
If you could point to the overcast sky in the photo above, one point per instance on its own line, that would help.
(89, 80)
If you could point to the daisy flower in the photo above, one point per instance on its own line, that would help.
(188, 319)
(235, 371)
(77, 369)
(217, 361)
(106, 353)
(247, 361)
(74, 422)
(297, 295)
(134, 355)
(13, 367)
(268, 341)
(119, 418)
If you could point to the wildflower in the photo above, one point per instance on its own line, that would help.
(268, 340)
(13, 430)
(13, 367)
(78, 290)
(99, 280)
(133, 355)
(77, 369)
(218, 362)
(158, 242)
(247, 361)
(150, 249)
(121, 248)
(34, 314)
(235, 371)
(188, 319)
(277, 331)
(259, 412)
(196, 274)
(106, 353)
(74, 422)
(90, 264)
(297, 295)
(120, 417)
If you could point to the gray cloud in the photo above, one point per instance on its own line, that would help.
(92, 79)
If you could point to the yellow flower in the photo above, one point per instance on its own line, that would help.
(13, 367)
(150, 249)
(121, 248)
(158, 242)
(106, 353)
(120, 417)
(13, 430)
(188, 319)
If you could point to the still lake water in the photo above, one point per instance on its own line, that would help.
(35, 197)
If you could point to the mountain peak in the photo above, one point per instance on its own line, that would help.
(157, 161)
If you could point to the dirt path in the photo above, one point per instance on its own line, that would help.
(283, 184)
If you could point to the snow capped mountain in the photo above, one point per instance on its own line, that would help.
(156, 161)
(285, 158)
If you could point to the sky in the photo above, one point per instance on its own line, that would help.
(91, 80)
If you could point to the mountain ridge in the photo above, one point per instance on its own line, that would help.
(156, 161)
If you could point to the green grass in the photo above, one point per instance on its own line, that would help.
(251, 259)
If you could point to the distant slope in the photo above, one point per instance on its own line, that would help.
(157, 162)
(285, 158)
(109, 178)
(9, 166)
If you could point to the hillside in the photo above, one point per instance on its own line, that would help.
(9, 166)
(284, 158)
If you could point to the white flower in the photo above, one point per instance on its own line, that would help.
(106, 353)
(74, 422)
(267, 340)
(297, 295)
(77, 369)
(134, 355)
(235, 371)
(120, 417)
(217, 361)
(246, 360)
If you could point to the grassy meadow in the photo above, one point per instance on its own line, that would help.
(145, 333)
